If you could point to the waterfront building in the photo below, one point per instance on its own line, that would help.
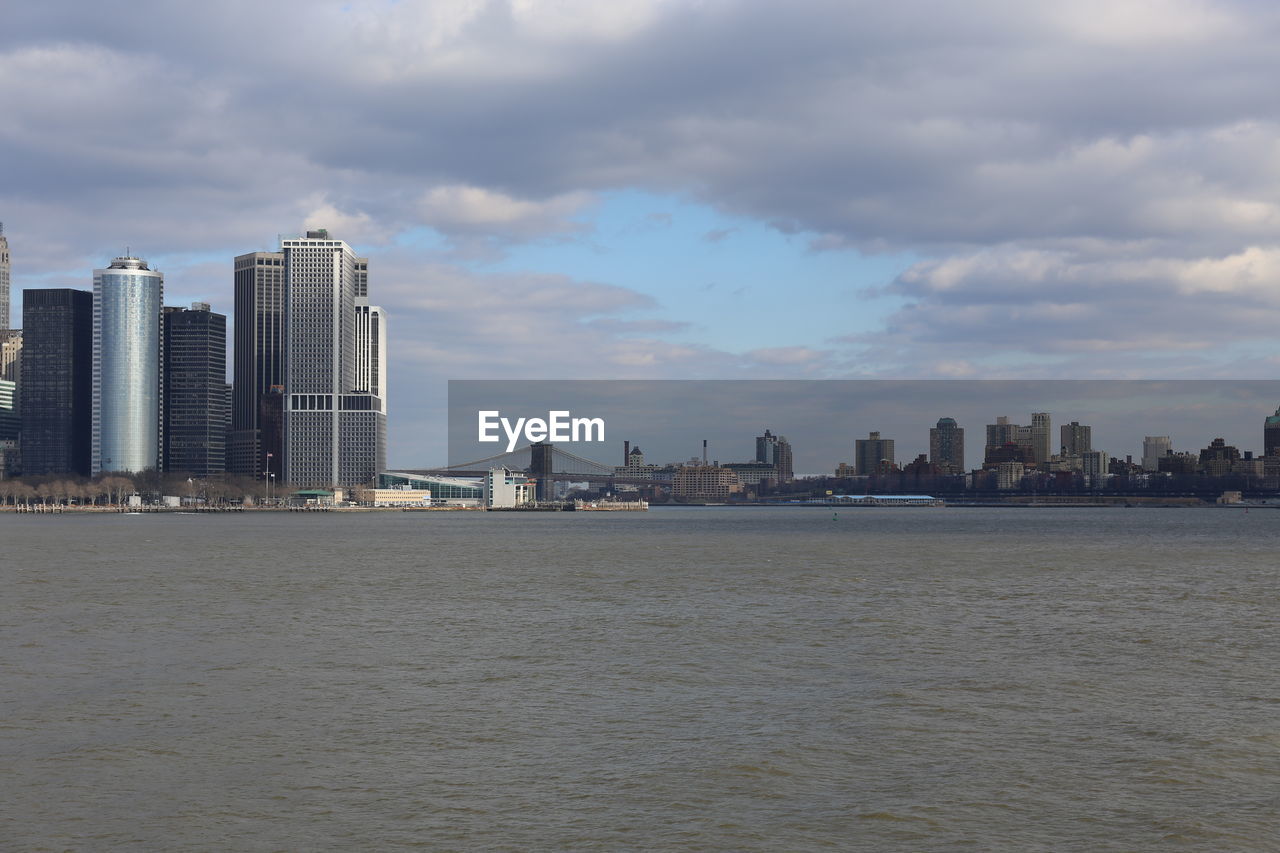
(401, 496)
(1077, 439)
(196, 394)
(705, 482)
(753, 473)
(56, 396)
(127, 382)
(871, 451)
(635, 466)
(776, 450)
(451, 491)
(4, 279)
(1271, 435)
(946, 446)
(1154, 447)
(335, 425)
(504, 489)
(255, 448)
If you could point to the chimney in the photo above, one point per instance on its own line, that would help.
(704, 451)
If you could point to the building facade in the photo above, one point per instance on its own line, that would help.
(1077, 439)
(504, 489)
(946, 446)
(11, 355)
(1271, 435)
(705, 482)
(258, 364)
(776, 451)
(869, 452)
(335, 427)
(128, 298)
(1041, 436)
(1155, 448)
(56, 400)
(196, 394)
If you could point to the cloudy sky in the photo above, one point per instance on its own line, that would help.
(680, 188)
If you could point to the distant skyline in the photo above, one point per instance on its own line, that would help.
(822, 419)
(654, 189)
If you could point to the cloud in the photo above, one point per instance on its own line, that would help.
(475, 210)
(1086, 187)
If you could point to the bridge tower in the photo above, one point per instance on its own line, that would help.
(541, 467)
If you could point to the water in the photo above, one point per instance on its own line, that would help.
(701, 679)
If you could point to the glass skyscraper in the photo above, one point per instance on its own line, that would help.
(256, 447)
(196, 394)
(57, 380)
(127, 301)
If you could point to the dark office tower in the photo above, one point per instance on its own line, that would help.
(258, 360)
(195, 391)
(57, 381)
(946, 446)
(1271, 435)
(271, 427)
(4, 279)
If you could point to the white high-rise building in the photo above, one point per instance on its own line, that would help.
(335, 413)
(1155, 447)
(127, 384)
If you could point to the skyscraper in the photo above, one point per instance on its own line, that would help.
(258, 361)
(335, 417)
(196, 395)
(946, 446)
(775, 450)
(1041, 442)
(1154, 448)
(869, 452)
(1077, 439)
(1271, 435)
(4, 279)
(57, 381)
(127, 301)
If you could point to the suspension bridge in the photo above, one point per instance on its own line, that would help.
(541, 461)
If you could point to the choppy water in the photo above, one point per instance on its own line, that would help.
(717, 679)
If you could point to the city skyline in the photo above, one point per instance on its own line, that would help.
(822, 419)
(628, 190)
